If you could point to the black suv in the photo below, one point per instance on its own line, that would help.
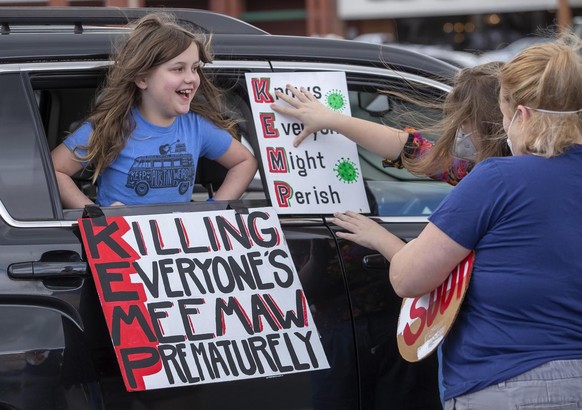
(55, 349)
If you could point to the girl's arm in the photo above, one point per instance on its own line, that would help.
(380, 139)
(66, 165)
(242, 166)
(416, 267)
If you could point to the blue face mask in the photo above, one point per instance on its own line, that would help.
(464, 147)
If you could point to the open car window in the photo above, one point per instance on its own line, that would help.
(64, 99)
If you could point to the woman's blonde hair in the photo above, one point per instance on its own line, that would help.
(546, 76)
(155, 39)
(474, 98)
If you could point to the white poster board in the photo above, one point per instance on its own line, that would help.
(323, 174)
(205, 297)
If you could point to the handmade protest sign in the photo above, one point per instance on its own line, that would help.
(424, 321)
(194, 298)
(322, 175)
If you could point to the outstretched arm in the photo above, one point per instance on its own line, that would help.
(380, 139)
(416, 267)
(66, 165)
(242, 166)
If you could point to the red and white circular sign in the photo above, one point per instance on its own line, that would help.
(424, 321)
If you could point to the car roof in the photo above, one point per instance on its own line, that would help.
(88, 33)
(115, 16)
(461, 59)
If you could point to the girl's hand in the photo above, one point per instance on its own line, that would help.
(117, 203)
(307, 109)
(361, 230)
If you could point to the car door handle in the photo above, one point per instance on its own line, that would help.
(375, 261)
(46, 270)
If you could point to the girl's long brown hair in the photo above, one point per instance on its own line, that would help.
(474, 98)
(155, 39)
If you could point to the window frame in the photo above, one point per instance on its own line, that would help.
(369, 75)
(25, 123)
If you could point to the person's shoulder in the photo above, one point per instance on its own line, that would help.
(575, 149)
(493, 166)
(511, 165)
(80, 134)
(414, 134)
(509, 161)
(194, 118)
(201, 123)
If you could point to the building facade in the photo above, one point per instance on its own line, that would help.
(460, 24)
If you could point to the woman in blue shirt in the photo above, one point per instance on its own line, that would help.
(517, 340)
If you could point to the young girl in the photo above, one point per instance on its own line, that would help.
(148, 130)
(470, 129)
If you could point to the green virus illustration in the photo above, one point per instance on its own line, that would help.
(335, 100)
(346, 171)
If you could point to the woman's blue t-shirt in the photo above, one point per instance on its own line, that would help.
(524, 304)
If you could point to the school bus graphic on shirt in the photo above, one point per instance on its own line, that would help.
(174, 167)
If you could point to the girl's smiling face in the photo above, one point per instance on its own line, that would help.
(168, 89)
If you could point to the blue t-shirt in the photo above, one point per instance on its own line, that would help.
(524, 304)
(158, 164)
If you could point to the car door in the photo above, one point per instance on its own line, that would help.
(59, 347)
(401, 203)
(43, 281)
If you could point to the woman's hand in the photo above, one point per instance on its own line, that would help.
(307, 109)
(365, 232)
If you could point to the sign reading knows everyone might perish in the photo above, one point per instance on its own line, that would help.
(322, 175)
(193, 298)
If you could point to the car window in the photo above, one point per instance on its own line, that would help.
(390, 191)
(24, 187)
(65, 99)
(236, 107)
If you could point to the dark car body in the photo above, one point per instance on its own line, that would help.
(55, 350)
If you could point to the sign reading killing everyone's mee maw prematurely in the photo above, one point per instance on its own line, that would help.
(194, 298)
(424, 321)
(321, 175)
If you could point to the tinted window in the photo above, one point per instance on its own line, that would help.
(23, 182)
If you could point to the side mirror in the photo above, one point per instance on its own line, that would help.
(377, 105)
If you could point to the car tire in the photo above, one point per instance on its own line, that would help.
(142, 188)
(183, 187)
